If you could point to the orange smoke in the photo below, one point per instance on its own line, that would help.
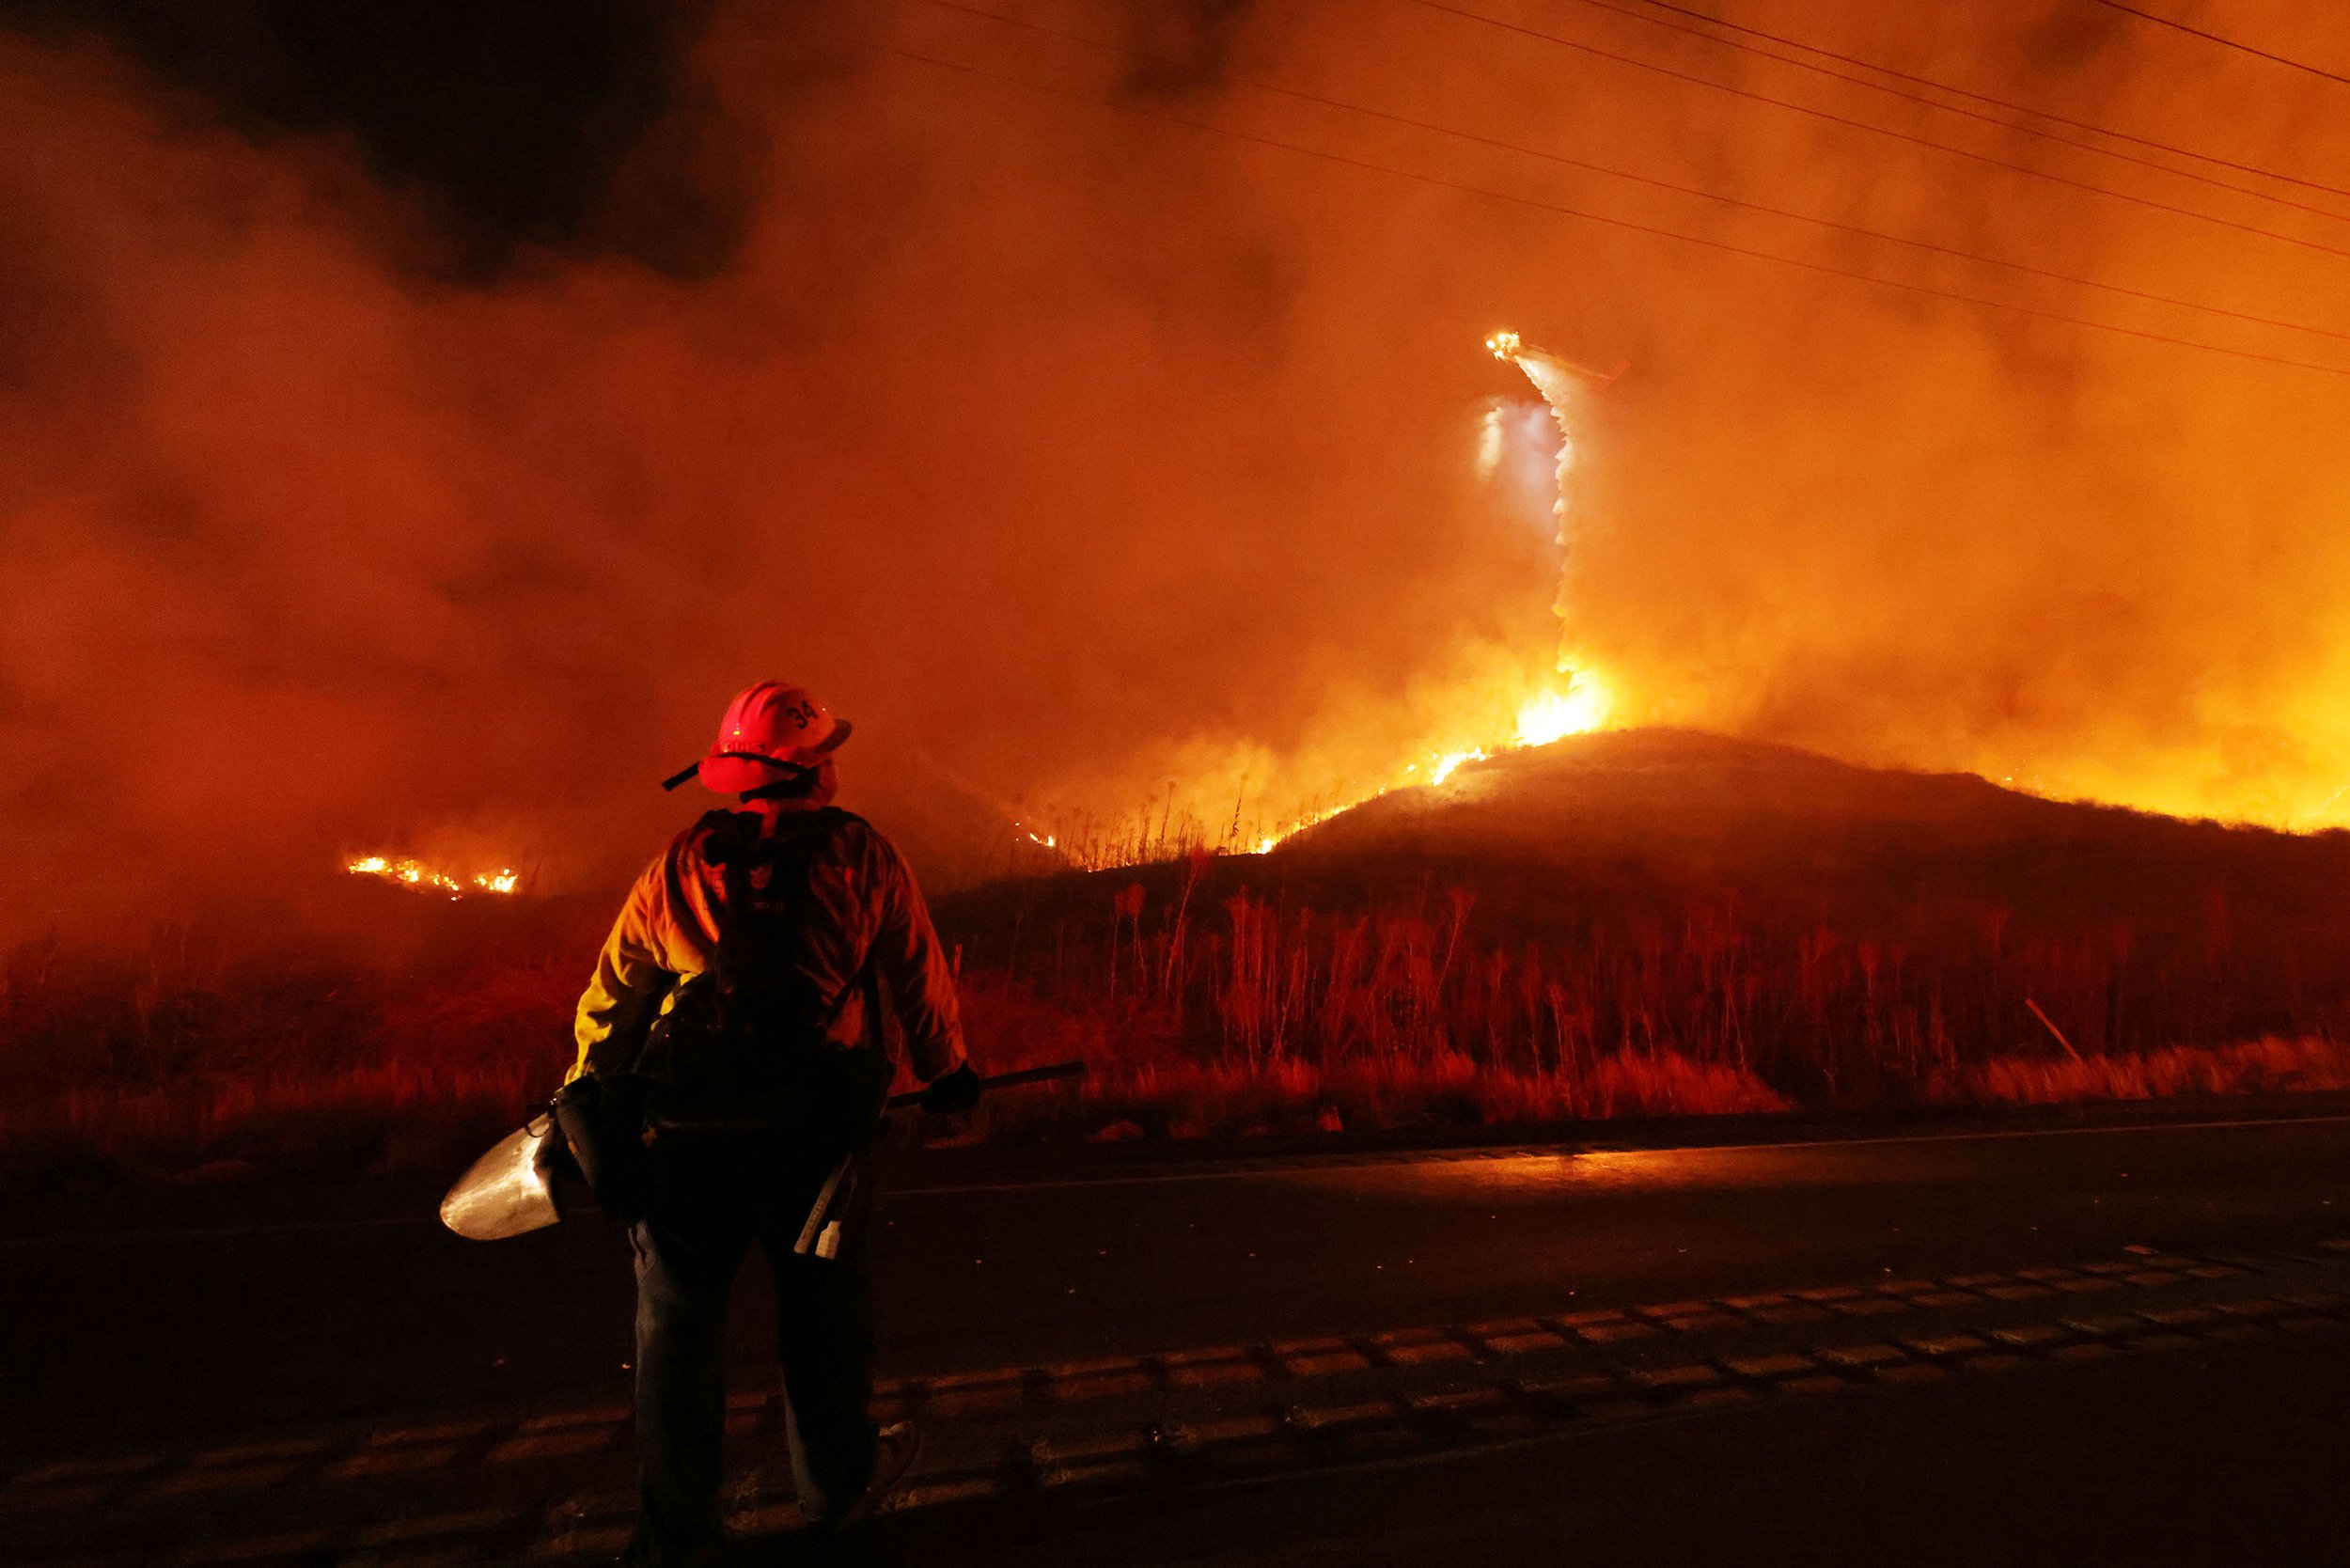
(1090, 459)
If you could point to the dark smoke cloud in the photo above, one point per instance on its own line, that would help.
(574, 125)
(375, 478)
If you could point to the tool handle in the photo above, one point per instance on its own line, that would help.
(1004, 1080)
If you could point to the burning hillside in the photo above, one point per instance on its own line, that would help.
(397, 468)
(1092, 403)
(1679, 809)
(1625, 922)
(1540, 704)
(1830, 934)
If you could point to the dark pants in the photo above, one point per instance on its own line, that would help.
(715, 1193)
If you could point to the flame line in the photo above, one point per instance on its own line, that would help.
(408, 872)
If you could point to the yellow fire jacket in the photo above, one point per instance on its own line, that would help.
(867, 902)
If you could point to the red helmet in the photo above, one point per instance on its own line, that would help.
(769, 730)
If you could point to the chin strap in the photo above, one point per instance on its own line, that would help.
(792, 771)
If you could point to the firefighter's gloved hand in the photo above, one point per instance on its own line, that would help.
(554, 1159)
(949, 1092)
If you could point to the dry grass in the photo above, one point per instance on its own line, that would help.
(2253, 1067)
(181, 1059)
(1212, 1000)
(375, 1120)
(1227, 1099)
(1236, 994)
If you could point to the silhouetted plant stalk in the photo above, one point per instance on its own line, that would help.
(1209, 1005)
(1900, 1017)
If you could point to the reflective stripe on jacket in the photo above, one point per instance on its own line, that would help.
(865, 902)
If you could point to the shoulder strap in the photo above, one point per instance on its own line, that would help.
(863, 980)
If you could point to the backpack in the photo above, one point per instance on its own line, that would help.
(745, 1044)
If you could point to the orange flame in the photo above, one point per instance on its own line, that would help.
(408, 872)
(1583, 703)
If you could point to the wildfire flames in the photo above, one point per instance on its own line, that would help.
(1575, 699)
(1547, 717)
(1550, 714)
(1554, 715)
(1578, 702)
(1244, 510)
(409, 872)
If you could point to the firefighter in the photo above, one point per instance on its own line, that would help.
(753, 992)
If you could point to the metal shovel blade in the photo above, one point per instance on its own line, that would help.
(504, 1193)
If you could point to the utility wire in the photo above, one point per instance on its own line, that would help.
(1536, 204)
(1972, 96)
(1435, 128)
(1877, 129)
(2227, 42)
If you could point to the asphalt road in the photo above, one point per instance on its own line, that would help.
(2229, 1455)
(204, 1320)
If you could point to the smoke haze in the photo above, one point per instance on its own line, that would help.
(384, 469)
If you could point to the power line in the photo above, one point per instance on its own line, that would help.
(1831, 224)
(1968, 93)
(1878, 130)
(1534, 203)
(2227, 42)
